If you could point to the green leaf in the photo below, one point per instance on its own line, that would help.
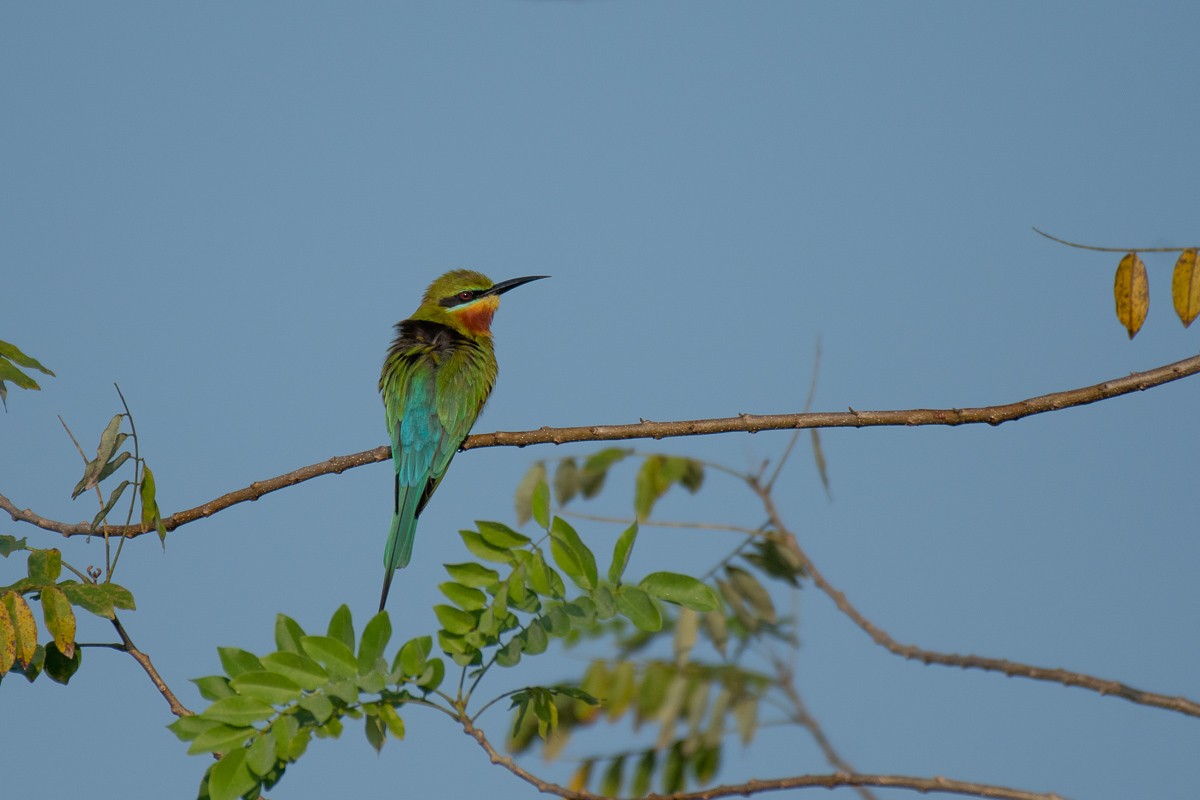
(687, 625)
(622, 688)
(653, 691)
(320, 706)
(636, 606)
(473, 575)
(376, 732)
(717, 628)
(260, 756)
(596, 467)
(214, 687)
(745, 711)
(454, 620)
(8, 372)
(706, 761)
(147, 493)
(219, 738)
(621, 553)
(102, 514)
(672, 777)
(556, 622)
(566, 481)
(464, 597)
(536, 640)
(693, 475)
(572, 555)
(14, 354)
(413, 655)
(747, 619)
(59, 667)
(431, 678)
(649, 486)
(510, 654)
(188, 728)
(235, 661)
(116, 463)
(11, 544)
(60, 619)
(120, 596)
(267, 686)
(89, 596)
(332, 654)
(44, 566)
(230, 778)
(610, 782)
(341, 626)
(238, 710)
(297, 667)
(374, 641)
(778, 558)
(641, 775)
(288, 633)
(392, 720)
(606, 604)
(481, 549)
(523, 500)
(542, 579)
(540, 504)
(500, 535)
(748, 587)
(110, 439)
(682, 590)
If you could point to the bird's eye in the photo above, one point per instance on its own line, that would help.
(465, 296)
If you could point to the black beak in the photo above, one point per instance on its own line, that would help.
(512, 283)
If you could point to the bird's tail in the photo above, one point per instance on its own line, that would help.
(400, 538)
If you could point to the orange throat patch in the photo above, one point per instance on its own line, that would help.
(477, 317)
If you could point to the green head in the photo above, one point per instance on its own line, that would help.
(466, 300)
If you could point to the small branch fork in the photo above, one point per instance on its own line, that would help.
(1009, 668)
(830, 781)
(177, 708)
(748, 423)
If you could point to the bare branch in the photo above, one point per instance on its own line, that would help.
(923, 785)
(748, 423)
(1113, 249)
(177, 708)
(803, 717)
(1010, 668)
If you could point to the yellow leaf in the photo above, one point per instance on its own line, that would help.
(1132, 293)
(24, 626)
(579, 780)
(1185, 286)
(60, 619)
(8, 642)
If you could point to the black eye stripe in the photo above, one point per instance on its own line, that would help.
(465, 296)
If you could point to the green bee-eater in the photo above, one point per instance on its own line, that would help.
(437, 375)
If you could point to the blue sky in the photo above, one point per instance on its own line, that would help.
(224, 207)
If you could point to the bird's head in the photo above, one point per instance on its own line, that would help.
(466, 300)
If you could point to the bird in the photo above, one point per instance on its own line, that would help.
(436, 377)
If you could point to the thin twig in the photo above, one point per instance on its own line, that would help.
(177, 708)
(650, 523)
(1114, 249)
(137, 466)
(801, 716)
(749, 423)
(936, 784)
(1010, 668)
